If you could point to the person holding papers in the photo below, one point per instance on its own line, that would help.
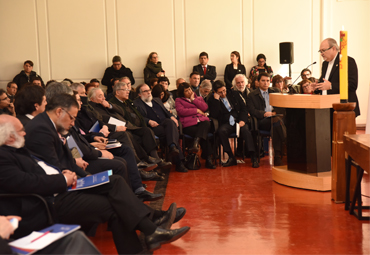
(260, 108)
(113, 202)
(232, 114)
(113, 113)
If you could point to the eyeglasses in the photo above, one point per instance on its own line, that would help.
(70, 115)
(322, 51)
(124, 89)
(148, 90)
(5, 98)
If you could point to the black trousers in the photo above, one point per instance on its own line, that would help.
(201, 130)
(145, 137)
(278, 133)
(127, 139)
(167, 130)
(113, 202)
(226, 129)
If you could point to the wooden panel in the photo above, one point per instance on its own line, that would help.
(303, 101)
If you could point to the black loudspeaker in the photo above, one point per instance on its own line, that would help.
(286, 53)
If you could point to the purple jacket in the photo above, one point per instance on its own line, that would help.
(187, 111)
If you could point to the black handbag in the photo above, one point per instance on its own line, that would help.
(192, 162)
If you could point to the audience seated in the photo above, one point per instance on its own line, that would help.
(260, 108)
(37, 81)
(113, 202)
(191, 111)
(29, 103)
(174, 92)
(94, 81)
(204, 90)
(116, 71)
(88, 87)
(261, 67)
(194, 80)
(135, 124)
(26, 75)
(230, 110)
(6, 107)
(162, 122)
(306, 87)
(232, 69)
(279, 82)
(153, 68)
(206, 71)
(160, 92)
(11, 90)
(153, 82)
(254, 82)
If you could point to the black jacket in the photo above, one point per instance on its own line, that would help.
(111, 73)
(218, 110)
(230, 73)
(142, 109)
(210, 73)
(42, 139)
(256, 104)
(22, 78)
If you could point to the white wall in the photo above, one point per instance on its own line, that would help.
(77, 39)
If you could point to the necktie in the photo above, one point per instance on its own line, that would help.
(204, 70)
(228, 107)
(267, 103)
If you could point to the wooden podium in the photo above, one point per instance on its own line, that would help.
(308, 140)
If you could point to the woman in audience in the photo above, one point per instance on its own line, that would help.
(232, 69)
(306, 87)
(261, 67)
(254, 83)
(278, 82)
(153, 82)
(168, 102)
(191, 110)
(88, 87)
(153, 68)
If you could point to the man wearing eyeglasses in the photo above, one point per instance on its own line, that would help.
(329, 80)
(5, 106)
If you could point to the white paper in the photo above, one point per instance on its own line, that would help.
(40, 243)
(117, 122)
(237, 130)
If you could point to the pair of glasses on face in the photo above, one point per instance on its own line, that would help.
(70, 115)
(322, 51)
(124, 89)
(5, 98)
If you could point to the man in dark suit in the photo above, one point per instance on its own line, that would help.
(113, 202)
(204, 90)
(161, 121)
(206, 71)
(230, 111)
(260, 108)
(194, 80)
(133, 124)
(329, 79)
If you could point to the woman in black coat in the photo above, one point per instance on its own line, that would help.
(232, 69)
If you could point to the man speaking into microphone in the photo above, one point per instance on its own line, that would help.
(329, 79)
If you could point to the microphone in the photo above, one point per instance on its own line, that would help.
(300, 75)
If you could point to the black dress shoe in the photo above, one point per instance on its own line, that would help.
(167, 218)
(209, 163)
(181, 168)
(180, 212)
(152, 160)
(164, 165)
(150, 176)
(195, 147)
(174, 152)
(156, 170)
(163, 236)
(230, 162)
(146, 166)
(255, 162)
(148, 196)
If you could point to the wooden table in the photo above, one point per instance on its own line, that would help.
(358, 149)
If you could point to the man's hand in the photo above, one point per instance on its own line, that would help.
(216, 96)
(70, 176)
(241, 123)
(6, 228)
(107, 154)
(100, 146)
(153, 123)
(105, 104)
(121, 128)
(269, 114)
(326, 85)
(100, 139)
(104, 131)
(175, 120)
(81, 163)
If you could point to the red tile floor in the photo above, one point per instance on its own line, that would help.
(241, 210)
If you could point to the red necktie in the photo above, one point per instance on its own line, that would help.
(204, 70)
